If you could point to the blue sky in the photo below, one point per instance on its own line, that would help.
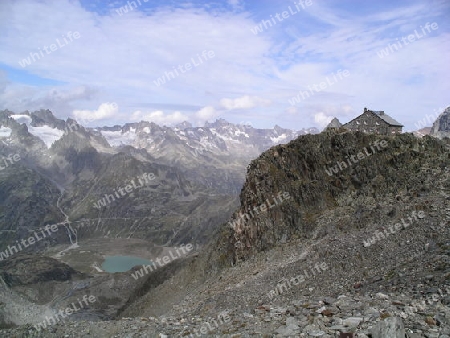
(169, 61)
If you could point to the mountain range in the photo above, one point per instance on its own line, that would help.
(197, 171)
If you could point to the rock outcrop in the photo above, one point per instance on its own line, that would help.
(321, 172)
(334, 124)
(26, 269)
(441, 127)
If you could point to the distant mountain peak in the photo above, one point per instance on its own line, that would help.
(218, 123)
(184, 125)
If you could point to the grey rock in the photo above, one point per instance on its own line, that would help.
(441, 127)
(338, 328)
(334, 123)
(353, 321)
(391, 327)
(292, 322)
(286, 331)
(380, 295)
(414, 335)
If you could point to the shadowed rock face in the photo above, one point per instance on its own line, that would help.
(441, 127)
(303, 168)
(31, 269)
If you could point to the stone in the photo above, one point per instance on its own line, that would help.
(338, 328)
(286, 331)
(327, 313)
(380, 295)
(352, 321)
(292, 322)
(413, 335)
(430, 321)
(320, 310)
(391, 327)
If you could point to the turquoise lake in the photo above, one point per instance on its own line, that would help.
(122, 263)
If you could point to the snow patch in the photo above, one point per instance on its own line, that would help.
(117, 138)
(22, 119)
(5, 131)
(279, 138)
(47, 134)
(238, 133)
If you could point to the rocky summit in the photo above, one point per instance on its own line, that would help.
(340, 234)
(441, 127)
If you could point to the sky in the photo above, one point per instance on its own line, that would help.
(296, 64)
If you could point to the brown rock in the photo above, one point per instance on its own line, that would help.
(327, 313)
(430, 321)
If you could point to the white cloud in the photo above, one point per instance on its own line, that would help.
(104, 111)
(206, 113)
(60, 100)
(291, 110)
(322, 119)
(159, 117)
(118, 57)
(236, 4)
(244, 102)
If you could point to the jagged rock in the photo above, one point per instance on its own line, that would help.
(334, 124)
(315, 172)
(441, 127)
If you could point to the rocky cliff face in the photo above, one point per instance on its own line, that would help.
(316, 173)
(441, 127)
